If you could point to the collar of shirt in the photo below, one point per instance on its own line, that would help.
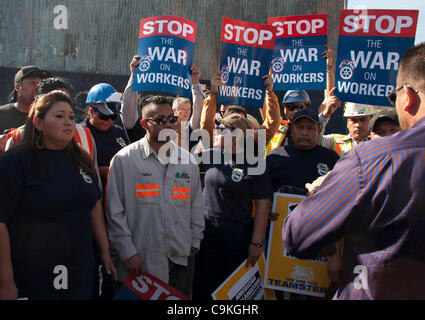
(148, 150)
(354, 141)
(420, 122)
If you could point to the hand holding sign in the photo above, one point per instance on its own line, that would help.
(331, 104)
(268, 82)
(216, 81)
(134, 265)
(196, 74)
(134, 63)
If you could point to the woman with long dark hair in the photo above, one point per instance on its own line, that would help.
(50, 210)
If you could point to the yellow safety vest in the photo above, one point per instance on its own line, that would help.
(278, 137)
(341, 146)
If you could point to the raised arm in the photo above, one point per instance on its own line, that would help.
(129, 111)
(198, 98)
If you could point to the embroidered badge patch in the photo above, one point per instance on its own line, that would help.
(237, 174)
(322, 169)
(85, 176)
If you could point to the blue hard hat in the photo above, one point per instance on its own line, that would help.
(103, 93)
(292, 96)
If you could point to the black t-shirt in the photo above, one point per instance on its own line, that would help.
(108, 143)
(137, 132)
(47, 208)
(10, 117)
(289, 166)
(228, 195)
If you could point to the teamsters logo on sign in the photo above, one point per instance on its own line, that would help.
(245, 56)
(166, 45)
(370, 46)
(297, 61)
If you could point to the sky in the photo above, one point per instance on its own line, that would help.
(395, 4)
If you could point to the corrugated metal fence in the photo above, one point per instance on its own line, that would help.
(102, 34)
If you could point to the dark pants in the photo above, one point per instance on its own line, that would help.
(82, 291)
(181, 277)
(211, 270)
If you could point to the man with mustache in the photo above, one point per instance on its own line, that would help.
(304, 160)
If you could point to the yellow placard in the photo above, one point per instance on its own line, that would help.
(245, 284)
(285, 272)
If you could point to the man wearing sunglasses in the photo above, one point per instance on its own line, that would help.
(293, 102)
(374, 200)
(155, 206)
(103, 103)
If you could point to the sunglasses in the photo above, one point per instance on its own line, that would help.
(163, 120)
(393, 95)
(107, 117)
(293, 107)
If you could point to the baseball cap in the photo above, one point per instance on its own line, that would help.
(31, 71)
(235, 121)
(107, 109)
(383, 115)
(357, 110)
(306, 113)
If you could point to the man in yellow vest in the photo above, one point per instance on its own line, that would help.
(358, 117)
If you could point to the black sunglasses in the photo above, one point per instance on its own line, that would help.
(393, 95)
(171, 119)
(107, 117)
(293, 107)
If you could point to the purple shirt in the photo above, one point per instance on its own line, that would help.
(374, 198)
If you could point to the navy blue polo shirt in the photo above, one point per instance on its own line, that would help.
(289, 166)
(47, 207)
(108, 142)
(229, 192)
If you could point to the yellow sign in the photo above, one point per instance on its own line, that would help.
(245, 284)
(285, 272)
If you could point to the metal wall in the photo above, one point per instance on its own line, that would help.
(102, 34)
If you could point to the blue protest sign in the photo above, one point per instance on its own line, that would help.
(370, 47)
(166, 45)
(245, 55)
(297, 62)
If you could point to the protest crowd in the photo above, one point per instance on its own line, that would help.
(167, 185)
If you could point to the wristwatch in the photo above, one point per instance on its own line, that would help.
(256, 245)
(194, 249)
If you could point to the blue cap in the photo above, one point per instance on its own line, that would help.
(292, 96)
(103, 93)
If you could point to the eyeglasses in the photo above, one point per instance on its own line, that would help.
(293, 107)
(162, 120)
(107, 117)
(393, 95)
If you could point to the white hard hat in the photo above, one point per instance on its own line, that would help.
(357, 110)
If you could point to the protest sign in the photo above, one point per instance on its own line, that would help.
(370, 46)
(285, 272)
(245, 55)
(245, 284)
(297, 62)
(166, 45)
(147, 287)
